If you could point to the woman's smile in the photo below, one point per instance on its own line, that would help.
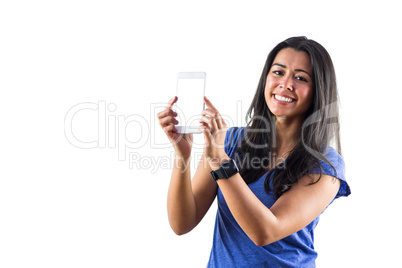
(283, 99)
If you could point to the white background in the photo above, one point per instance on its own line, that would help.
(64, 206)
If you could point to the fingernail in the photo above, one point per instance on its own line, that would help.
(206, 98)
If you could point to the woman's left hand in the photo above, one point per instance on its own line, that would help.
(214, 129)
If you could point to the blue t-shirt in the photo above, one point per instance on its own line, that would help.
(233, 248)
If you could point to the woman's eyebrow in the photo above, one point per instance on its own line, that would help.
(297, 70)
(301, 70)
(280, 65)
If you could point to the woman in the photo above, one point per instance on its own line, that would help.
(286, 173)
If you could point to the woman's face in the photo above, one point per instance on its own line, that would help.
(289, 85)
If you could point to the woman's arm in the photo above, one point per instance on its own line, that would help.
(294, 210)
(188, 201)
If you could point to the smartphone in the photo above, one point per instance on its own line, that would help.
(190, 94)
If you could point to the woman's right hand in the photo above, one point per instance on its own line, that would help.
(182, 143)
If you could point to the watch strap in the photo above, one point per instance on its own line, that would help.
(226, 170)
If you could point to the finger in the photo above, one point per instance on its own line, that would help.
(206, 120)
(210, 122)
(170, 128)
(215, 113)
(207, 133)
(212, 107)
(171, 102)
(166, 112)
(168, 109)
(209, 103)
(168, 120)
(164, 121)
(210, 112)
(220, 123)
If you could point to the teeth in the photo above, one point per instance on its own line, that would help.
(280, 98)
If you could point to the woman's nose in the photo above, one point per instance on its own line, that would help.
(287, 83)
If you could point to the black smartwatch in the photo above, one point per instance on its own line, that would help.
(225, 171)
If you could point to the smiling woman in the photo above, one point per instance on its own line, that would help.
(300, 69)
(272, 178)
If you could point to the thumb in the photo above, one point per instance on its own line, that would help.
(171, 102)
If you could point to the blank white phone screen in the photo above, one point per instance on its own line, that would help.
(190, 103)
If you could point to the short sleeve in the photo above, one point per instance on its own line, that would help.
(337, 162)
(233, 139)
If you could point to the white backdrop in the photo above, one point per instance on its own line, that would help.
(92, 74)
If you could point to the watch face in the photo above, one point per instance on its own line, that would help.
(230, 168)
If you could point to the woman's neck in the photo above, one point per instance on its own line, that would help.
(287, 134)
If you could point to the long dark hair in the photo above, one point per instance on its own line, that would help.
(320, 127)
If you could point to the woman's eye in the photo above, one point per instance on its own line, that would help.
(277, 72)
(301, 78)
